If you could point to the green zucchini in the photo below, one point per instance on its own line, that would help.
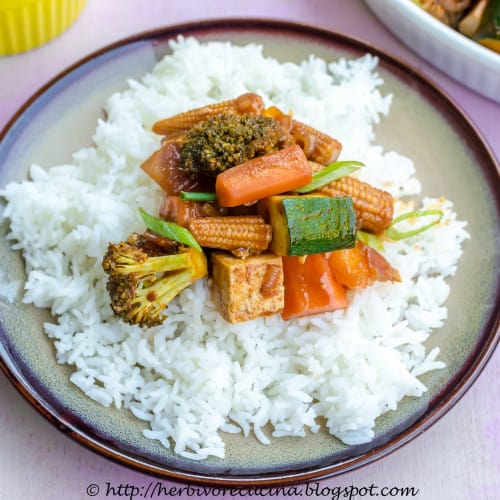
(309, 224)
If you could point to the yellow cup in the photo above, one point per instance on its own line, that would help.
(25, 24)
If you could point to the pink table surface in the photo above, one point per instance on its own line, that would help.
(458, 458)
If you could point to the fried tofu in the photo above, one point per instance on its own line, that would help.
(246, 289)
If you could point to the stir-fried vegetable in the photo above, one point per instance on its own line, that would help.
(226, 140)
(251, 184)
(395, 234)
(275, 173)
(329, 174)
(242, 235)
(169, 230)
(197, 196)
(310, 287)
(309, 224)
(361, 266)
(182, 122)
(376, 240)
(373, 207)
(142, 279)
(163, 166)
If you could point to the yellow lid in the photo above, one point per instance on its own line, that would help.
(25, 24)
(14, 4)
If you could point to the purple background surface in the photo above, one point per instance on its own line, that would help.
(458, 458)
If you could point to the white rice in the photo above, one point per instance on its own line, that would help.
(196, 376)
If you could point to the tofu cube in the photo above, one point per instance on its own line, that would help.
(248, 288)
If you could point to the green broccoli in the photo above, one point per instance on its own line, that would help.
(142, 279)
(226, 140)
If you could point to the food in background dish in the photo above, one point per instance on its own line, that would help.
(196, 375)
(479, 19)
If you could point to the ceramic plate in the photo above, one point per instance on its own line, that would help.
(448, 50)
(451, 159)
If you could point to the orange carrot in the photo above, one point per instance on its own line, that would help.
(360, 266)
(263, 176)
(310, 287)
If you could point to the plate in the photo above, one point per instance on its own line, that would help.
(451, 160)
(466, 61)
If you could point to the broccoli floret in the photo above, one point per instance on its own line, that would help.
(226, 140)
(142, 280)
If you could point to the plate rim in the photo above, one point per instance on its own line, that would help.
(439, 405)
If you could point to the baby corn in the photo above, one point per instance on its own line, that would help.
(373, 207)
(245, 103)
(242, 235)
(317, 146)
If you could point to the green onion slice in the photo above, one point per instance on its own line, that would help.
(169, 230)
(330, 173)
(370, 239)
(392, 233)
(197, 196)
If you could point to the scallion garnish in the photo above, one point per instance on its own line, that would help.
(329, 174)
(392, 233)
(169, 230)
(370, 239)
(197, 196)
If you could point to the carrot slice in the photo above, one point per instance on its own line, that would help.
(350, 267)
(263, 176)
(310, 287)
(361, 266)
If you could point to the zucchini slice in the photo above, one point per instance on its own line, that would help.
(309, 224)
